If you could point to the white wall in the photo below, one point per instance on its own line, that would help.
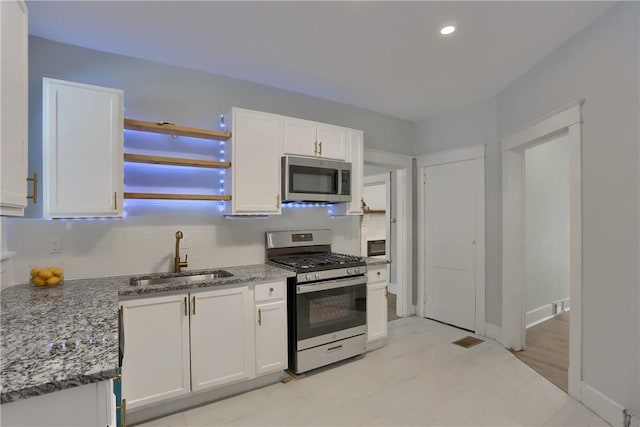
(470, 125)
(547, 223)
(375, 196)
(144, 241)
(601, 65)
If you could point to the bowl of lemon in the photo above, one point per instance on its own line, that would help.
(52, 276)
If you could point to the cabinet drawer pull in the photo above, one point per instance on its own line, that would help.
(330, 349)
(34, 195)
(260, 317)
(270, 290)
(194, 305)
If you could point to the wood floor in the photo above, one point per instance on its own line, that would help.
(547, 350)
(391, 307)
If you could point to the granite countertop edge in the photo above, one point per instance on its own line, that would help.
(50, 387)
(375, 261)
(80, 294)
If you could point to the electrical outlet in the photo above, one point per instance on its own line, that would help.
(55, 246)
(185, 242)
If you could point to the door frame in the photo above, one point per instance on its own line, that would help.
(404, 222)
(567, 120)
(471, 152)
(383, 179)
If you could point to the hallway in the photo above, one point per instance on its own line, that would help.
(547, 350)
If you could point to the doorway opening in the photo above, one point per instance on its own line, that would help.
(563, 123)
(389, 212)
(546, 296)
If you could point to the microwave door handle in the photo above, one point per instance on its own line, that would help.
(332, 284)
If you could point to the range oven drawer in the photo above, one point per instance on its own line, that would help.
(329, 353)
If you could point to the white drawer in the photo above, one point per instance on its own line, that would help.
(267, 291)
(377, 274)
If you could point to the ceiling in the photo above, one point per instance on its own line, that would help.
(383, 56)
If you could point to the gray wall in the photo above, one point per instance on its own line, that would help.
(475, 124)
(600, 65)
(547, 223)
(143, 241)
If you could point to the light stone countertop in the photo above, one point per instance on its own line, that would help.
(61, 337)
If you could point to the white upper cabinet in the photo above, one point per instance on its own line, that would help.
(13, 111)
(311, 139)
(256, 148)
(82, 150)
(355, 155)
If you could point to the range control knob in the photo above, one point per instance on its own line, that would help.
(317, 275)
(348, 271)
(308, 277)
(356, 270)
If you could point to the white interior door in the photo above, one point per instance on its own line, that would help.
(450, 237)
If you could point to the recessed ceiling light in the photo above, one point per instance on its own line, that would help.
(446, 30)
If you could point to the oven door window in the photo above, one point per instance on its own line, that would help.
(312, 180)
(327, 311)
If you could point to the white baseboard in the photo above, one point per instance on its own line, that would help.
(604, 407)
(540, 314)
(493, 332)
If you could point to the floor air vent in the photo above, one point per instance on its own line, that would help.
(468, 342)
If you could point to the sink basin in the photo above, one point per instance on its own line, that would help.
(184, 279)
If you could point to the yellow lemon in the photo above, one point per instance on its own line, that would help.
(38, 281)
(45, 274)
(54, 281)
(35, 271)
(56, 271)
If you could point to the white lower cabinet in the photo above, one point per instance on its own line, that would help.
(222, 346)
(190, 342)
(156, 359)
(377, 294)
(271, 328)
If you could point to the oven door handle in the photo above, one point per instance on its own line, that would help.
(332, 284)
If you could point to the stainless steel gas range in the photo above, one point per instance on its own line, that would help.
(326, 300)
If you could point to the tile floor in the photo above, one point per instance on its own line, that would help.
(419, 378)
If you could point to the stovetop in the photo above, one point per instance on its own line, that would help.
(318, 261)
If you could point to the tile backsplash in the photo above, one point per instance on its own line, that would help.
(144, 241)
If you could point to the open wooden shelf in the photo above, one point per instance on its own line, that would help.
(165, 196)
(171, 129)
(374, 211)
(174, 161)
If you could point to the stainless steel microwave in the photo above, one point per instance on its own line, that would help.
(306, 179)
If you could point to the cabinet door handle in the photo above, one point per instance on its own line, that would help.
(34, 195)
(386, 292)
(315, 148)
(194, 305)
(277, 201)
(259, 317)
(115, 200)
(186, 311)
(320, 151)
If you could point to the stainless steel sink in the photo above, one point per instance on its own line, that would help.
(183, 279)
